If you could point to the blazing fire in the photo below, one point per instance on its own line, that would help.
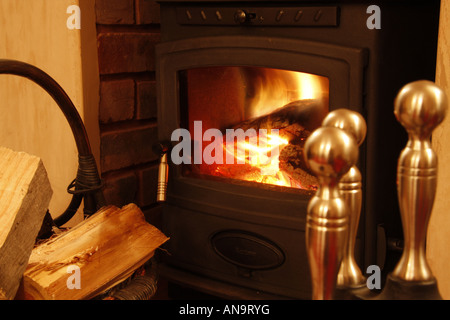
(281, 107)
(277, 90)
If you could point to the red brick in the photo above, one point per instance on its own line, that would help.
(114, 11)
(120, 188)
(116, 100)
(126, 52)
(127, 147)
(146, 100)
(147, 12)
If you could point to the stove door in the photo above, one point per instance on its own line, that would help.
(199, 210)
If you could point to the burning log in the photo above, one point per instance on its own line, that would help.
(294, 122)
(293, 165)
(92, 257)
(307, 113)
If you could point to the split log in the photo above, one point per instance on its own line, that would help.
(104, 249)
(25, 193)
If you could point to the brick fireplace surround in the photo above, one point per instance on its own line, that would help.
(127, 31)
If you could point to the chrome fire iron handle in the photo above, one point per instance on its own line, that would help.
(330, 153)
(350, 276)
(163, 149)
(419, 107)
(163, 176)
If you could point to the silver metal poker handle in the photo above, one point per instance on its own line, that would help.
(163, 176)
(162, 148)
(350, 185)
(330, 153)
(419, 107)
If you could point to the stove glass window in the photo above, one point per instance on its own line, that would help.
(249, 124)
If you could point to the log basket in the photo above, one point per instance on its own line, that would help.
(87, 185)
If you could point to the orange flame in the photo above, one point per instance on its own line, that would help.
(276, 89)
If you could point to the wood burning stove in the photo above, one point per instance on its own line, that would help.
(235, 231)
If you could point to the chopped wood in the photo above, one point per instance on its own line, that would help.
(106, 249)
(25, 193)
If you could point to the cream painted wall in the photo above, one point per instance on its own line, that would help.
(438, 242)
(36, 32)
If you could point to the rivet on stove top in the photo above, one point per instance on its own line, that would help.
(318, 15)
(279, 15)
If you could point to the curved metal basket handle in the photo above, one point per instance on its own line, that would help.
(87, 184)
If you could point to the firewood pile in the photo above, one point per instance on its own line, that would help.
(93, 258)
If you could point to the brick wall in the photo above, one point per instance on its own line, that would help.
(127, 31)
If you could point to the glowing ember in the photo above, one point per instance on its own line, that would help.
(262, 156)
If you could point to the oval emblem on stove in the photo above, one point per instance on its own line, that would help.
(247, 250)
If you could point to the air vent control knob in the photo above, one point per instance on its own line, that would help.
(241, 16)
